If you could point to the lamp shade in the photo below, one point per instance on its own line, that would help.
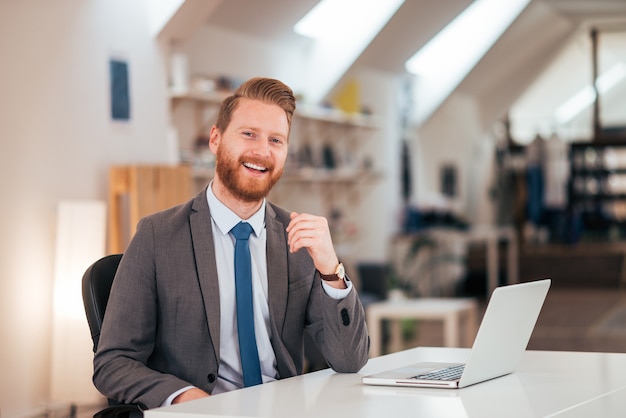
(80, 240)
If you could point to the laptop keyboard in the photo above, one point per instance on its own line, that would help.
(449, 373)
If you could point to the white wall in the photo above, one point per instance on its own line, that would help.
(380, 201)
(214, 51)
(454, 135)
(57, 143)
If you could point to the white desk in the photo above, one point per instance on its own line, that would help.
(451, 311)
(547, 384)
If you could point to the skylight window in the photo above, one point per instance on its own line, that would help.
(327, 21)
(585, 97)
(342, 29)
(444, 61)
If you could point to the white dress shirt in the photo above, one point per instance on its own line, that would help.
(223, 220)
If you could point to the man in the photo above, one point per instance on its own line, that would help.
(171, 330)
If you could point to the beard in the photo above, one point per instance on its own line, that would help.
(245, 188)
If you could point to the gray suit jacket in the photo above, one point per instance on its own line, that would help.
(161, 330)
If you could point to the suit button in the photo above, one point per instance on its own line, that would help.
(211, 378)
(345, 317)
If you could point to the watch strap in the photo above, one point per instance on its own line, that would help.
(339, 274)
(329, 277)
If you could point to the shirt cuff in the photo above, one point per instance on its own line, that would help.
(335, 293)
(170, 398)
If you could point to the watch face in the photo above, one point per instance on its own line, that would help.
(341, 271)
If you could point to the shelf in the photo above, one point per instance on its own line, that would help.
(583, 197)
(308, 175)
(585, 172)
(356, 120)
(597, 144)
(198, 96)
(317, 114)
(329, 176)
(202, 173)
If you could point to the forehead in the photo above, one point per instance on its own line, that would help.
(261, 115)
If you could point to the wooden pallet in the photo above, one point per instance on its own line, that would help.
(139, 190)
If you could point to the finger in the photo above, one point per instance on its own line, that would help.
(303, 222)
(295, 245)
(292, 216)
(310, 229)
(297, 233)
(304, 228)
(307, 242)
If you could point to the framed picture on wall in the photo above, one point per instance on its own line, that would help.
(449, 179)
(119, 89)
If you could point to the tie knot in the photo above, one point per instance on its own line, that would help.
(242, 230)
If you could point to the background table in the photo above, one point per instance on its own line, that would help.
(491, 237)
(547, 384)
(451, 311)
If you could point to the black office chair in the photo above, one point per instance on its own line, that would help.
(97, 282)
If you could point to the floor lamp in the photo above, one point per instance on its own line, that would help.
(80, 240)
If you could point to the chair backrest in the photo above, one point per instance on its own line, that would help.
(97, 282)
(373, 279)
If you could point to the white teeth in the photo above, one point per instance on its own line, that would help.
(254, 166)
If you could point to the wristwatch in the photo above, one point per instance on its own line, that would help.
(339, 274)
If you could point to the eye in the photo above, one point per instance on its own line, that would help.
(276, 141)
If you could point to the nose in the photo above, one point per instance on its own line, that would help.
(261, 147)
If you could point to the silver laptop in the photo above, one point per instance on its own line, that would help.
(501, 340)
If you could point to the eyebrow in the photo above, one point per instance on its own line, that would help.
(273, 133)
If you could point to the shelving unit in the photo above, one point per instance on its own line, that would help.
(329, 167)
(200, 102)
(192, 114)
(598, 188)
(311, 127)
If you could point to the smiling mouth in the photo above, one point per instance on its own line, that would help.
(255, 167)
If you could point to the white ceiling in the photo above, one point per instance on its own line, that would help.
(414, 24)
(505, 72)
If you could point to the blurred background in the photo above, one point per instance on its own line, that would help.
(453, 146)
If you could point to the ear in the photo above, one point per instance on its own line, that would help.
(215, 138)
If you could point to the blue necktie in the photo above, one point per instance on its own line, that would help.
(245, 315)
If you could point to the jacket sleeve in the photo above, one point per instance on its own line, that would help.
(338, 328)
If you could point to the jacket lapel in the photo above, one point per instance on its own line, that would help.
(277, 271)
(204, 252)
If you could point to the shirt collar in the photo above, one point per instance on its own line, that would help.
(226, 219)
